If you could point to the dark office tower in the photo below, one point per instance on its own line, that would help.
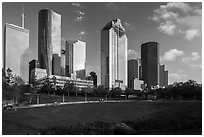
(133, 71)
(166, 78)
(56, 65)
(63, 57)
(68, 59)
(49, 38)
(150, 63)
(161, 75)
(114, 55)
(32, 65)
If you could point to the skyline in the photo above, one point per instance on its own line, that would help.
(175, 35)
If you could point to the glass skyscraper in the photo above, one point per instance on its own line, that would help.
(114, 55)
(49, 38)
(75, 58)
(150, 63)
(16, 41)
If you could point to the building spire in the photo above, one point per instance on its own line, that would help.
(22, 17)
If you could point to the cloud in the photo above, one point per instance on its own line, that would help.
(111, 6)
(195, 66)
(194, 56)
(177, 76)
(132, 54)
(172, 54)
(79, 12)
(82, 34)
(78, 5)
(178, 18)
(129, 26)
(79, 18)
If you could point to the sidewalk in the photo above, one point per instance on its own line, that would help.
(70, 103)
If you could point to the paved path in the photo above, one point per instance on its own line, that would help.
(69, 103)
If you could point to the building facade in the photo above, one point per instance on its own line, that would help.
(163, 76)
(16, 41)
(56, 65)
(166, 79)
(133, 71)
(49, 38)
(75, 59)
(114, 55)
(32, 65)
(150, 63)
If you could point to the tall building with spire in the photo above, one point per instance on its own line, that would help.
(114, 55)
(16, 42)
(49, 38)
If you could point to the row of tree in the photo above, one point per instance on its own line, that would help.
(14, 88)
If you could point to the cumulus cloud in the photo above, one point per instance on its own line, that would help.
(132, 54)
(111, 6)
(129, 26)
(194, 56)
(178, 18)
(172, 54)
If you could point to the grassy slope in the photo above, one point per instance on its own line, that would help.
(33, 120)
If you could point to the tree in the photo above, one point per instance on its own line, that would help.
(116, 92)
(68, 87)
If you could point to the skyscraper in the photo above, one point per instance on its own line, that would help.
(161, 75)
(56, 65)
(150, 63)
(166, 78)
(49, 38)
(114, 55)
(32, 65)
(133, 71)
(75, 58)
(16, 41)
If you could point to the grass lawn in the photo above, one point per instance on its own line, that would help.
(33, 120)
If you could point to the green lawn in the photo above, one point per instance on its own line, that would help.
(33, 120)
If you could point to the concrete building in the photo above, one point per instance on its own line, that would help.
(75, 59)
(114, 55)
(133, 71)
(63, 44)
(61, 81)
(166, 79)
(16, 41)
(163, 76)
(32, 65)
(36, 74)
(56, 65)
(150, 63)
(49, 38)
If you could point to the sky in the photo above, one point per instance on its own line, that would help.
(176, 26)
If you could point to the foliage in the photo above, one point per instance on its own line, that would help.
(179, 91)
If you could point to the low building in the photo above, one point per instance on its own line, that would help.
(61, 80)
